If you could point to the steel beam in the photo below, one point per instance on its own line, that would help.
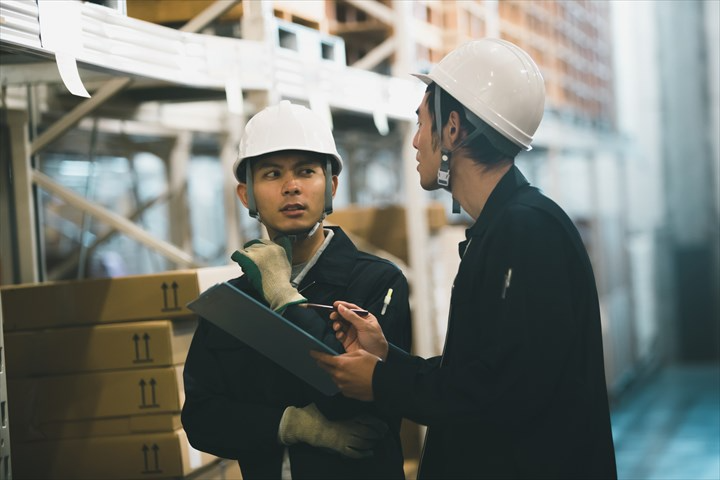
(232, 210)
(70, 262)
(177, 167)
(122, 224)
(424, 326)
(377, 54)
(375, 9)
(24, 211)
(99, 97)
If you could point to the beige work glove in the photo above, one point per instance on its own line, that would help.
(267, 266)
(354, 438)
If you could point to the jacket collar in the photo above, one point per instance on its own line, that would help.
(506, 188)
(335, 263)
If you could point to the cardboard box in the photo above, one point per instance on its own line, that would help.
(24, 430)
(107, 300)
(222, 469)
(129, 457)
(114, 346)
(35, 402)
(386, 227)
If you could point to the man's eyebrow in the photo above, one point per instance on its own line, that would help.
(269, 164)
(306, 163)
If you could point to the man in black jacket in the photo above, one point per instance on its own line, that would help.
(519, 391)
(239, 404)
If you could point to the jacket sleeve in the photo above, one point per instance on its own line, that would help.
(505, 354)
(214, 423)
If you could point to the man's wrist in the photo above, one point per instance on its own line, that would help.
(385, 354)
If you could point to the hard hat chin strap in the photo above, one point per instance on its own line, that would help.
(500, 143)
(303, 235)
(328, 188)
(252, 207)
(443, 175)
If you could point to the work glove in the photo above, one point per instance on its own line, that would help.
(267, 266)
(354, 438)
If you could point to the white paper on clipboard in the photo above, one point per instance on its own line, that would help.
(270, 334)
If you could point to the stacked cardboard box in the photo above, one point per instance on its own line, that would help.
(385, 227)
(95, 375)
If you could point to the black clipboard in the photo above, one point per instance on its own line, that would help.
(259, 327)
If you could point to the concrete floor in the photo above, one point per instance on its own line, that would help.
(668, 426)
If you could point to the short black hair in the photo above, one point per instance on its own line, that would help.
(480, 149)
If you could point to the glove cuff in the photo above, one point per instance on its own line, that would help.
(294, 300)
(286, 434)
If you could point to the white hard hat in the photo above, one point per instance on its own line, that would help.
(286, 126)
(498, 82)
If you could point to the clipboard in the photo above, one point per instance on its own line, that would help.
(251, 322)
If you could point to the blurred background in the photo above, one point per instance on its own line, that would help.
(136, 179)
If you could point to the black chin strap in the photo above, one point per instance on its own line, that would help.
(443, 175)
(303, 235)
(252, 207)
(328, 188)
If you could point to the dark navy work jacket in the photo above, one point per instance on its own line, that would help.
(235, 397)
(520, 389)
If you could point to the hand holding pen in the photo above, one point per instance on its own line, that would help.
(356, 332)
(331, 309)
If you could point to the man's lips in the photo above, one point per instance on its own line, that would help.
(292, 208)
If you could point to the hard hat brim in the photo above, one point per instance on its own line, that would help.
(423, 78)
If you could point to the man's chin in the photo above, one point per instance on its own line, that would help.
(430, 186)
(295, 229)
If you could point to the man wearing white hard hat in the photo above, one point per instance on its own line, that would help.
(519, 391)
(239, 404)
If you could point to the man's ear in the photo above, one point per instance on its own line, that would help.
(334, 184)
(242, 193)
(451, 131)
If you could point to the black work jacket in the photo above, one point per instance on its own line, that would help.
(235, 397)
(520, 389)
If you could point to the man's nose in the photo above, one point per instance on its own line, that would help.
(291, 187)
(415, 140)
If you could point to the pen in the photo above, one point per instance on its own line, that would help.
(386, 302)
(330, 308)
(506, 283)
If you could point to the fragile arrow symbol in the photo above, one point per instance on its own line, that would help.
(157, 456)
(152, 385)
(146, 337)
(164, 289)
(136, 340)
(142, 392)
(175, 296)
(145, 456)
